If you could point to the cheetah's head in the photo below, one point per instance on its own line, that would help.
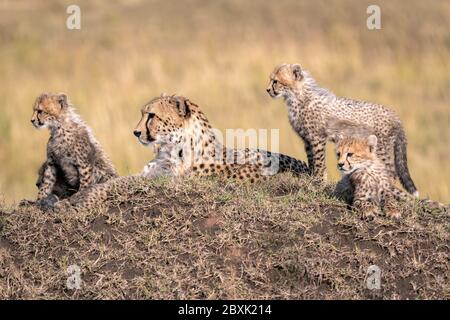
(285, 80)
(355, 153)
(162, 120)
(49, 110)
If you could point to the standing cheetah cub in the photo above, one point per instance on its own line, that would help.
(366, 183)
(75, 160)
(312, 108)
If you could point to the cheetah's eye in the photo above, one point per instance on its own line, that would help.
(338, 154)
(275, 81)
(151, 115)
(349, 154)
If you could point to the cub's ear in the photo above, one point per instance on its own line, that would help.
(183, 107)
(335, 137)
(372, 142)
(62, 100)
(297, 72)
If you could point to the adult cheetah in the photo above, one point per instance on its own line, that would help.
(186, 145)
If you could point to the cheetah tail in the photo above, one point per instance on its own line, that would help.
(297, 167)
(401, 165)
(99, 194)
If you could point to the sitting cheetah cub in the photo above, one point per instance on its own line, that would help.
(75, 160)
(312, 108)
(365, 183)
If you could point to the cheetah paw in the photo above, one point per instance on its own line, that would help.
(48, 203)
(370, 214)
(394, 214)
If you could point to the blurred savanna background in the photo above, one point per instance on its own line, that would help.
(220, 54)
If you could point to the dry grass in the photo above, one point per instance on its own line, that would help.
(210, 239)
(285, 238)
(220, 53)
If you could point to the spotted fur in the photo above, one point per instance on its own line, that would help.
(75, 160)
(366, 183)
(312, 108)
(61, 189)
(186, 145)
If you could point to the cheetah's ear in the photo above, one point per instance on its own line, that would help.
(183, 106)
(297, 72)
(62, 100)
(335, 137)
(372, 142)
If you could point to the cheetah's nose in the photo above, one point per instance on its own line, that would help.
(340, 164)
(137, 133)
(268, 90)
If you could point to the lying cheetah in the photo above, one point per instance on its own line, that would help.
(311, 108)
(186, 145)
(177, 124)
(75, 160)
(366, 183)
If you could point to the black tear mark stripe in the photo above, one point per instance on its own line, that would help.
(39, 120)
(147, 129)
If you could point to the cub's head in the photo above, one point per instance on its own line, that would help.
(162, 118)
(285, 79)
(49, 110)
(355, 153)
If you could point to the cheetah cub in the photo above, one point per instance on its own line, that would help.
(312, 108)
(75, 159)
(366, 184)
(61, 189)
